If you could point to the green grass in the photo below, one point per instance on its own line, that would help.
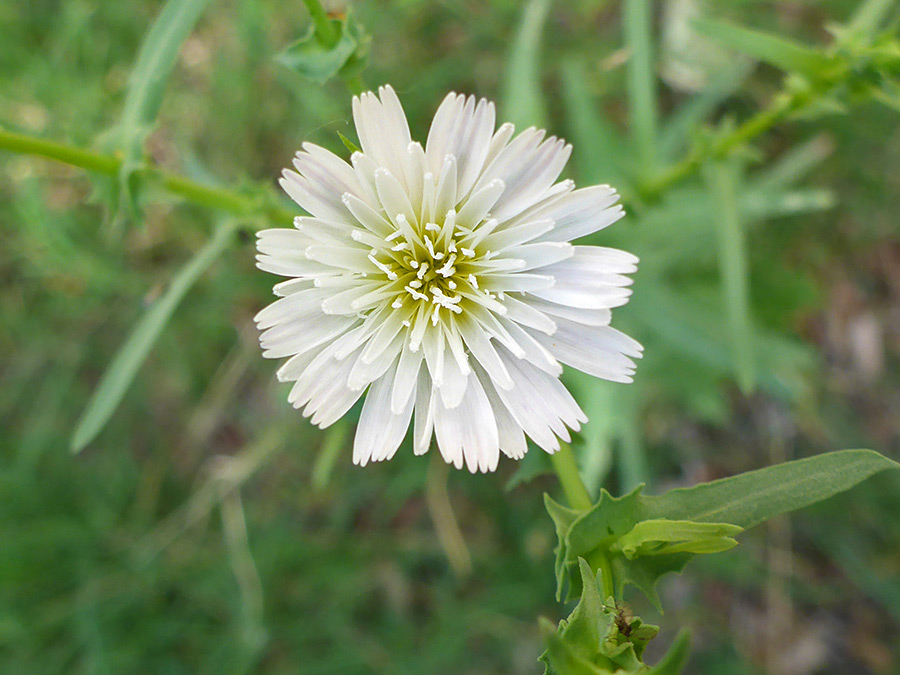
(102, 570)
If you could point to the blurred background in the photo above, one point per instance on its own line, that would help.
(210, 529)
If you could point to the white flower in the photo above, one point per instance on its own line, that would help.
(441, 280)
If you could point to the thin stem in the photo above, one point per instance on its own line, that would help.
(84, 159)
(326, 32)
(441, 511)
(783, 106)
(597, 559)
(577, 495)
(197, 193)
(572, 485)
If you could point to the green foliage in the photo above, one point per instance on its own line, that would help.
(125, 364)
(600, 638)
(523, 100)
(774, 50)
(319, 59)
(640, 538)
(144, 96)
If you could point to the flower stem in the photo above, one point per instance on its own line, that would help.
(326, 33)
(196, 193)
(572, 485)
(577, 495)
(784, 105)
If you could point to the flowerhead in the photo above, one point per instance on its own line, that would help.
(440, 283)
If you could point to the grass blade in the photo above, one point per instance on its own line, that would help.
(723, 178)
(131, 354)
(784, 54)
(522, 100)
(638, 24)
(597, 161)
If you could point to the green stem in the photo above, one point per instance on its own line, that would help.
(326, 32)
(572, 485)
(197, 193)
(638, 24)
(783, 106)
(598, 560)
(577, 495)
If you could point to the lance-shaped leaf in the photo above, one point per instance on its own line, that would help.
(144, 94)
(753, 497)
(134, 350)
(784, 54)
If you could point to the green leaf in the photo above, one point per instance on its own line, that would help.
(144, 95)
(777, 51)
(561, 658)
(867, 19)
(662, 536)
(523, 100)
(753, 497)
(562, 519)
(645, 537)
(676, 658)
(319, 62)
(583, 625)
(597, 142)
(131, 354)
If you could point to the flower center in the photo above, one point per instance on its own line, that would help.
(432, 271)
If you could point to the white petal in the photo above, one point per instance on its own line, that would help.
(541, 254)
(299, 335)
(528, 168)
(479, 344)
(600, 351)
(380, 432)
(476, 207)
(316, 198)
(512, 437)
(589, 317)
(406, 378)
(468, 432)
(540, 404)
(524, 313)
(461, 128)
(364, 372)
(424, 424)
(393, 196)
(382, 128)
(582, 212)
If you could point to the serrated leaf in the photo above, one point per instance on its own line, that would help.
(137, 346)
(319, 62)
(584, 623)
(696, 520)
(561, 658)
(777, 51)
(562, 518)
